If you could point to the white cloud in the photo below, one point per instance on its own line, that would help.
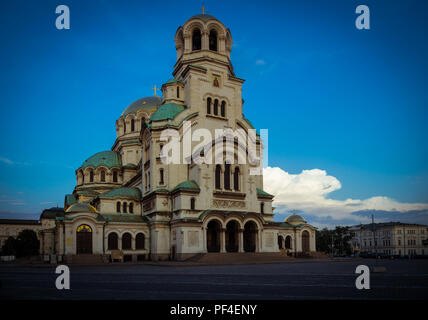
(308, 191)
(7, 161)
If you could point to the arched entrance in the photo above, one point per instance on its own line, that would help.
(280, 240)
(213, 236)
(232, 236)
(250, 236)
(287, 242)
(305, 241)
(84, 239)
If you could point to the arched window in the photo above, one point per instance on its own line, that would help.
(196, 40)
(131, 207)
(125, 207)
(217, 176)
(178, 92)
(132, 125)
(139, 241)
(192, 203)
(262, 207)
(112, 241)
(213, 40)
(161, 176)
(103, 176)
(118, 207)
(115, 176)
(126, 241)
(227, 176)
(236, 179)
(223, 108)
(209, 106)
(91, 176)
(215, 107)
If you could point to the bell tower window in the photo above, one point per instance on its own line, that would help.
(215, 107)
(213, 40)
(227, 176)
(209, 106)
(223, 108)
(196, 40)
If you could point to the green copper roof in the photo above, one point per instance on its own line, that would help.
(199, 67)
(52, 213)
(204, 17)
(167, 111)
(148, 104)
(132, 141)
(187, 185)
(70, 199)
(131, 193)
(260, 192)
(173, 80)
(249, 123)
(125, 218)
(295, 218)
(108, 159)
(81, 207)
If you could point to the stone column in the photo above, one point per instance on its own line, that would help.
(223, 240)
(205, 44)
(241, 240)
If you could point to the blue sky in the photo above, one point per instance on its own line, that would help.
(350, 103)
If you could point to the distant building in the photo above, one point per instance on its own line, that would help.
(393, 238)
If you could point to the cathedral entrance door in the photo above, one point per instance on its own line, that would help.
(84, 239)
(213, 236)
(250, 236)
(232, 236)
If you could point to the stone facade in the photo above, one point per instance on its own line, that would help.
(129, 199)
(392, 238)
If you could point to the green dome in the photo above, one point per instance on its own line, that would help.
(148, 104)
(81, 207)
(204, 17)
(295, 219)
(108, 159)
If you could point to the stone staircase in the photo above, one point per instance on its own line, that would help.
(86, 259)
(239, 257)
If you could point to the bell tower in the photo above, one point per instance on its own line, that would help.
(202, 39)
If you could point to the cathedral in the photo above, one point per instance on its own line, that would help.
(128, 199)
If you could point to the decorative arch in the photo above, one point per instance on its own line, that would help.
(112, 241)
(196, 39)
(126, 241)
(140, 239)
(213, 40)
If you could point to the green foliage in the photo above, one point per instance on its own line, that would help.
(9, 247)
(26, 244)
(340, 237)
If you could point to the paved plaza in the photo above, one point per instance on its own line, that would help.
(298, 279)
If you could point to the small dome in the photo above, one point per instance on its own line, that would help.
(108, 159)
(148, 104)
(81, 207)
(295, 219)
(204, 17)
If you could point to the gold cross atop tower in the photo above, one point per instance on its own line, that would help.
(203, 10)
(156, 89)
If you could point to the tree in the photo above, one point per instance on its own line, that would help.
(26, 244)
(340, 237)
(9, 247)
